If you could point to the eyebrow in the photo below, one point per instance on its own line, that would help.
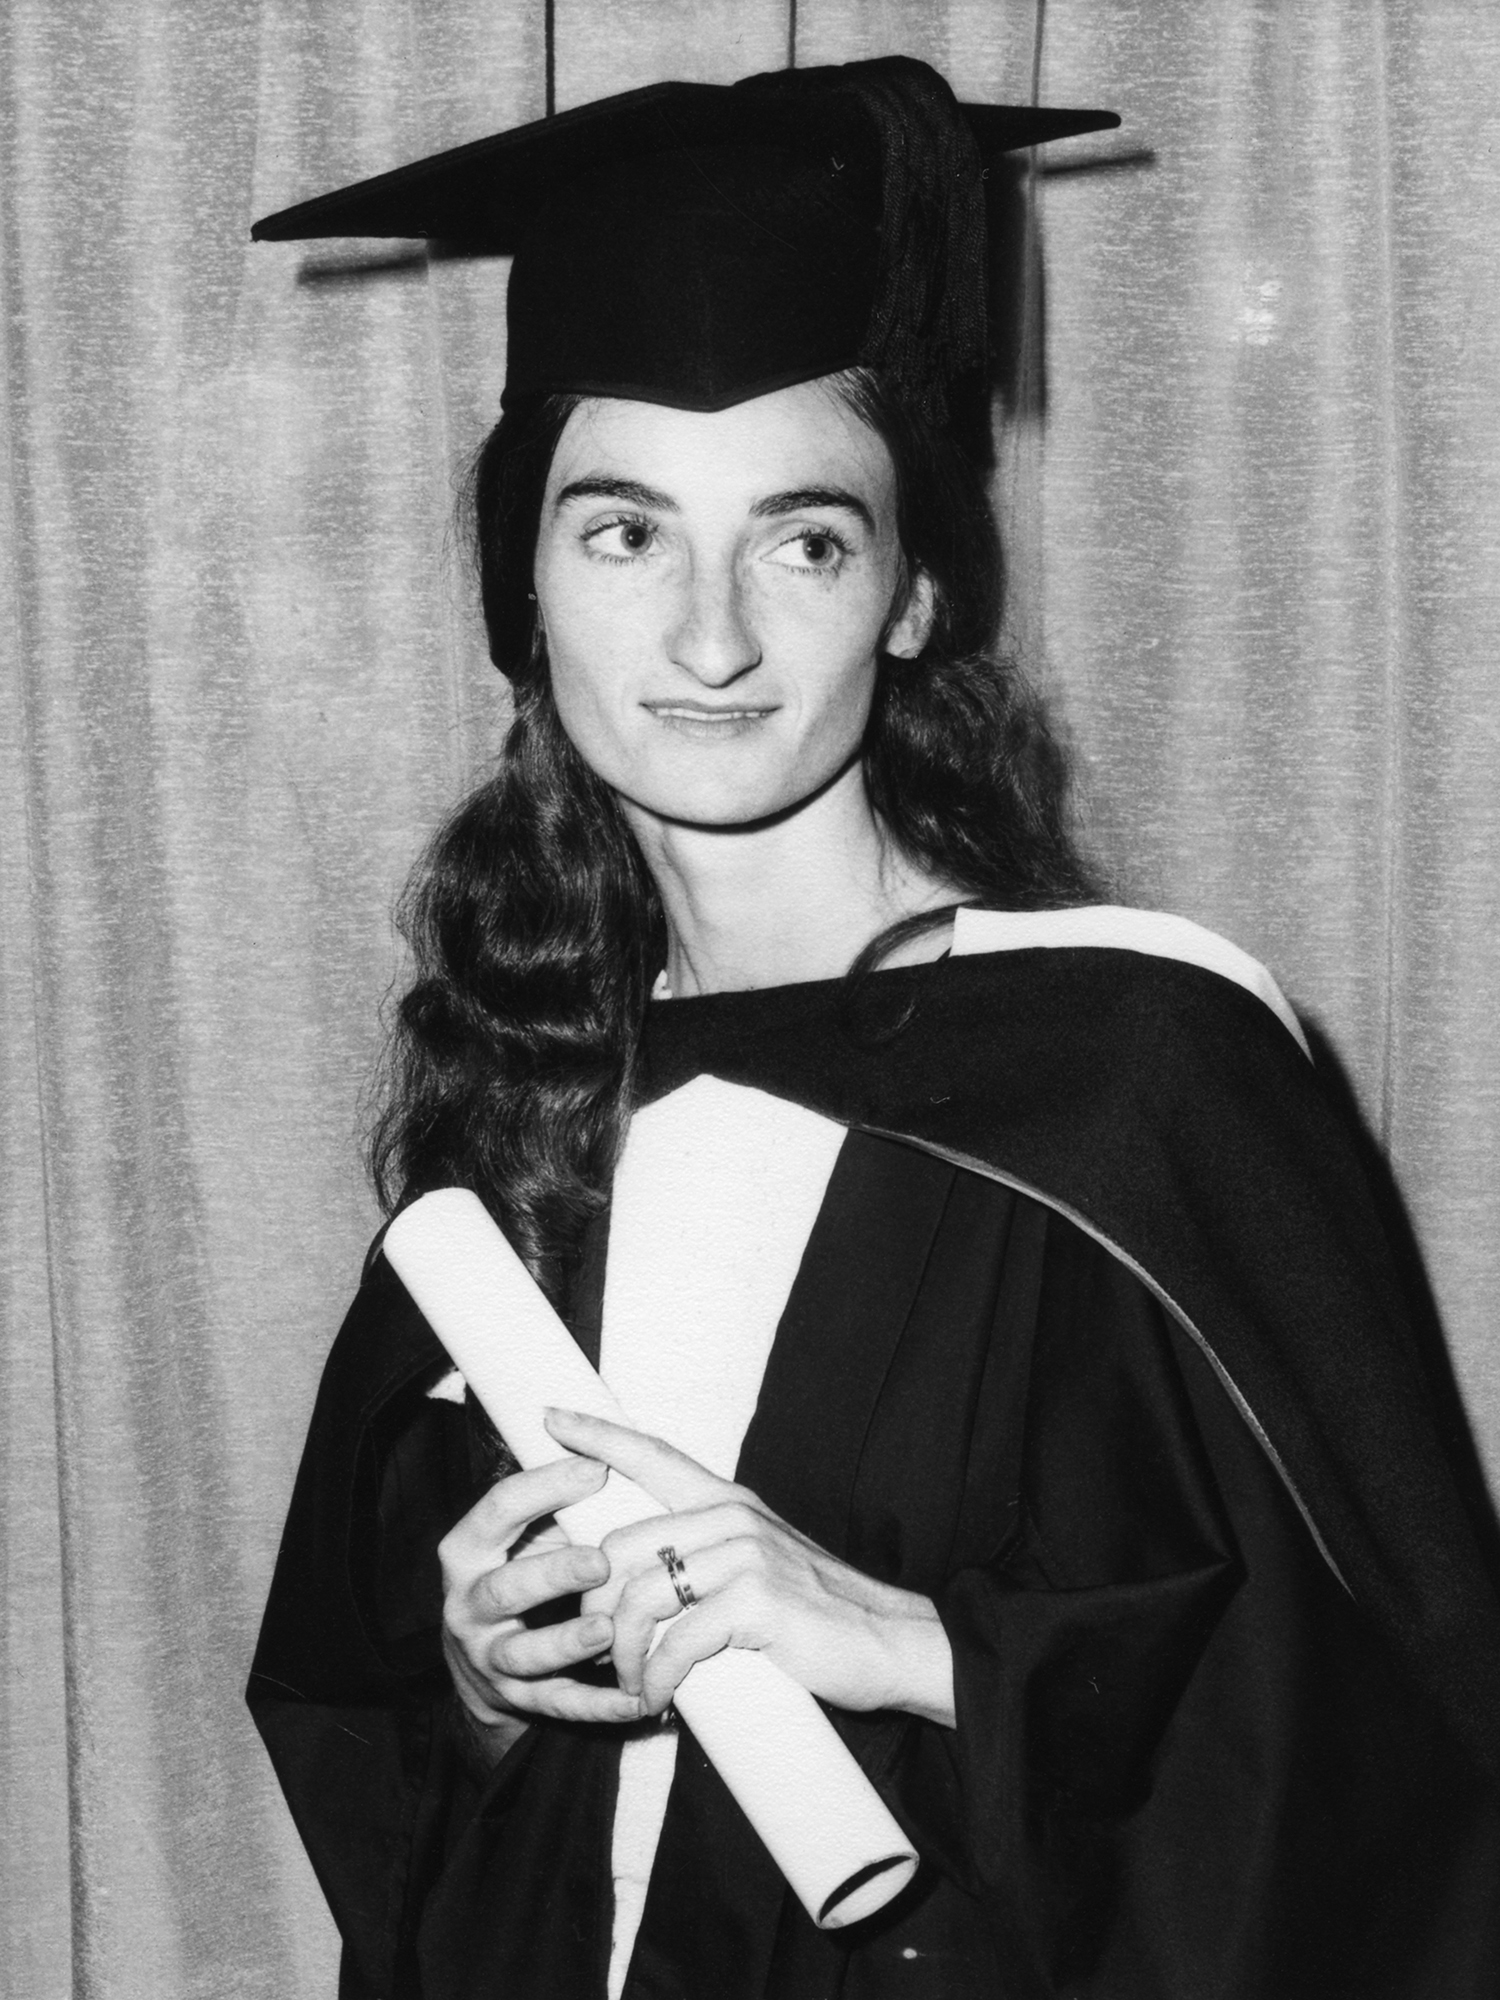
(795, 500)
(811, 499)
(597, 487)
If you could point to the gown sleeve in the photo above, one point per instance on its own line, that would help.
(1184, 1763)
(348, 1686)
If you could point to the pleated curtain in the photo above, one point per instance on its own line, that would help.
(1249, 472)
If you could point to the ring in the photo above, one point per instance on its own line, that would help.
(676, 1570)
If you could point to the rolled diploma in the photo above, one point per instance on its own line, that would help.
(825, 1825)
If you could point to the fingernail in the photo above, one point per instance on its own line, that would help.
(552, 1411)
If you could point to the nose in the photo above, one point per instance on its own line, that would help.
(712, 636)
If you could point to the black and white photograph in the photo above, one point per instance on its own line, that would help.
(750, 999)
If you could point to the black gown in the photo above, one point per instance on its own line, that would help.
(1187, 1762)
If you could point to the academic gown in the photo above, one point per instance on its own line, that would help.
(1095, 1342)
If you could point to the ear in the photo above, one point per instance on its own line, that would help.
(913, 628)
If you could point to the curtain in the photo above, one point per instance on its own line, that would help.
(1250, 477)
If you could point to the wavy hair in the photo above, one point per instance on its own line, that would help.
(534, 924)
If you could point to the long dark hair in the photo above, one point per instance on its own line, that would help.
(534, 924)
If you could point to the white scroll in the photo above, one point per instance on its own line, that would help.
(826, 1827)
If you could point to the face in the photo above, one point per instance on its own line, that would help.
(715, 591)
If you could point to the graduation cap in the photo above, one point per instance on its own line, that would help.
(700, 244)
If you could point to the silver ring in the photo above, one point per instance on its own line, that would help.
(676, 1570)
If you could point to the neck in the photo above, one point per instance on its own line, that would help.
(792, 899)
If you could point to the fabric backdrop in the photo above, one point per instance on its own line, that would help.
(1251, 480)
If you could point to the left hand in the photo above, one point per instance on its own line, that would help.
(759, 1584)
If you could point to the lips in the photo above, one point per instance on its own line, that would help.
(685, 714)
(705, 712)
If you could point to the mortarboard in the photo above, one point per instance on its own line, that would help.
(700, 244)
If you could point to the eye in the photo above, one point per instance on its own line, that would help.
(812, 549)
(625, 539)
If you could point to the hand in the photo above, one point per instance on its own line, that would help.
(503, 1559)
(759, 1584)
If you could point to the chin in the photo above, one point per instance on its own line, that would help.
(724, 784)
(715, 805)
(716, 813)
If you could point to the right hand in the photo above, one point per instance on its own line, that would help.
(504, 1558)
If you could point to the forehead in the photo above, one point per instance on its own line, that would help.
(804, 436)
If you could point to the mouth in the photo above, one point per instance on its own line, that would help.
(704, 720)
(701, 711)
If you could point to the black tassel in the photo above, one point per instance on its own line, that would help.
(927, 330)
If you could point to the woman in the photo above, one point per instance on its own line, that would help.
(1027, 1364)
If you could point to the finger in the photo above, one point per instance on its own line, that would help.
(502, 1514)
(565, 1700)
(527, 1652)
(491, 1697)
(697, 1635)
(649, 1604)
(542, 1533)
(520, 1585)
(475, 1689)
(527, 1496)
(635, 1560)
(651, 1600)
(667, 1474)
(634, 1553)
(636, 1550)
